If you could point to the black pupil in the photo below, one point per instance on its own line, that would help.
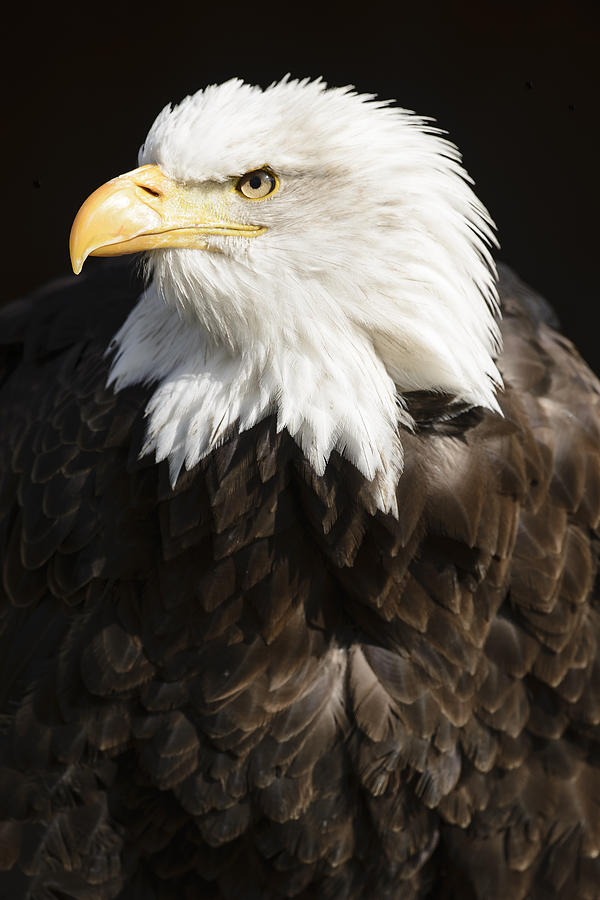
(255, 182)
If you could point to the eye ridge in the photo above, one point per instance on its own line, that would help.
(257, 184)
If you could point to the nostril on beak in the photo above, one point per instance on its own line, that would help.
(149, 190)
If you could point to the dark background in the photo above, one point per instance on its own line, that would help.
(516, 87)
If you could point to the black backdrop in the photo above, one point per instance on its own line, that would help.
(515, 85)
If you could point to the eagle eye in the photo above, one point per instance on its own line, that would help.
(257, 184)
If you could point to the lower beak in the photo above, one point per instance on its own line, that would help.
(145, 209)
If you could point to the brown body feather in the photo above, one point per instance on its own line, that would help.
(251, 686)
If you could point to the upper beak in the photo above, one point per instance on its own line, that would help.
(145, 209)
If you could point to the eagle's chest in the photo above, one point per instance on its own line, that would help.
(306, 669)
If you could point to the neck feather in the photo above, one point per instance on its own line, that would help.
(331, 391)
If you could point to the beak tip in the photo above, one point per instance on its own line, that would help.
(77, 253)
(77, 263)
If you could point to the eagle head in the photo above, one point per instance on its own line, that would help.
(312, 253)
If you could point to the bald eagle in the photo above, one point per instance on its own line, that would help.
(298, 530)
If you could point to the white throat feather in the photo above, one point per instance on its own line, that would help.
(373, 278)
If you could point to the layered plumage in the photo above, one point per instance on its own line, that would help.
(238, 658)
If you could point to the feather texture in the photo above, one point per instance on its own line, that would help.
(252, 676)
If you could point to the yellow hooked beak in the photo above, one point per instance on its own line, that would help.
(145, 209)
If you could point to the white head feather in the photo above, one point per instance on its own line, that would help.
(373, 278)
